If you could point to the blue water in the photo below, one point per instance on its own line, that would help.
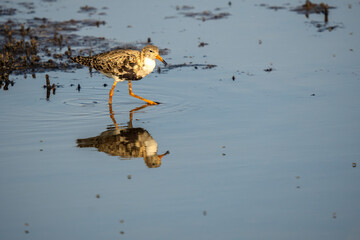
(268, 155)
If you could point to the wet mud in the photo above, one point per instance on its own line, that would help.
(39, 45)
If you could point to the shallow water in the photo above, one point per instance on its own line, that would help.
(266, 155)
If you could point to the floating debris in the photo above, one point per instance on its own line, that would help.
(312, 8)
(129, 176)
(184, 65)
(204, 15)
(7, 11)
(354, 165)
(275, 7)
(309, 8)
(209, 66)
(184, 7)
(207, 15)
(203, 44)
(87, 9)
(97, 196)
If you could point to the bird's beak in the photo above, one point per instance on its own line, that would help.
(160, 58)
(164, 154)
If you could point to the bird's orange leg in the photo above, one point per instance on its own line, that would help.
(146, 100)
(112, 116)
(112, 92)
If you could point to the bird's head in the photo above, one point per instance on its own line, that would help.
(152, 52)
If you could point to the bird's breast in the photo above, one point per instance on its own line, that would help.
(148, 67)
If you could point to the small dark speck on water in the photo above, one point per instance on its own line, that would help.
(41, 150)
(224, 154)
(268, 69)
(229, 3)
(97, 195)
(78, 87)
(121, 221)
(203, 44)
(105, 85)
(26, 224)
(313, 94)
(354, 165)
(129, 176)
(149, 40)
(233, 78)
(204, 212)
(122, 232)
(26, 231)
(334, 215)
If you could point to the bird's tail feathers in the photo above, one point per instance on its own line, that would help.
(86, 61)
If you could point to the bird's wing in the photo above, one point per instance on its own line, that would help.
(121, 63)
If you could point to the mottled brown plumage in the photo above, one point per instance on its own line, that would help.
(126, 142)
(124, 64)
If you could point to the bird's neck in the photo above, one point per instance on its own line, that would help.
(149, 65)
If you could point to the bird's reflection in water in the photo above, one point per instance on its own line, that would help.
(126, 142)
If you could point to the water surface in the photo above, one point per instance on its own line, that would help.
(254, 154)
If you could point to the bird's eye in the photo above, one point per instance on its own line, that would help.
(151, 51)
